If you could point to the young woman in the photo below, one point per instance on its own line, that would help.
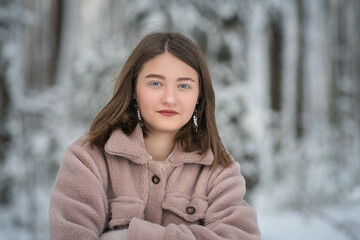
(153, 165)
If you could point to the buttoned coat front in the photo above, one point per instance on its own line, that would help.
(121, 187)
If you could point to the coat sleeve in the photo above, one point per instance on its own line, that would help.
(228, 215)
(78, 202)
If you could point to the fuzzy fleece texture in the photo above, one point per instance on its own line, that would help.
(101, 190)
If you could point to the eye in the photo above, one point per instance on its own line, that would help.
(155, 84)
(184, 86)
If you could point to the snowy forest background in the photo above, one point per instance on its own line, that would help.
(286, 75)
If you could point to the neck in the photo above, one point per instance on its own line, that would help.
(159, 146)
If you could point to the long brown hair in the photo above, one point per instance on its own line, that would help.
(120, 112)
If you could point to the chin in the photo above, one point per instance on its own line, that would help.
(167, 130)
(165, 127)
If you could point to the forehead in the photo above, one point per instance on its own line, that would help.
(168, 64)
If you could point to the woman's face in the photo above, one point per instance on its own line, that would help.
(167, 91)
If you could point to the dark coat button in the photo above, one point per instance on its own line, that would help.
(155, 179)
(190, 210)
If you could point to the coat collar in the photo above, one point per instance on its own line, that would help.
(132, 147)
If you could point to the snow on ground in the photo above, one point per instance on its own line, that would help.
(331, 223)
(284, 226)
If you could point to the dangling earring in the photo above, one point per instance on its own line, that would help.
(195, 121)
(139, 115)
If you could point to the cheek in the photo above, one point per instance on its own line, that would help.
(190, 105)
(145, 100)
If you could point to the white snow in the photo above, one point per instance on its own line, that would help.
(341, 222)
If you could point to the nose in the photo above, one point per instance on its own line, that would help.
(169, 95)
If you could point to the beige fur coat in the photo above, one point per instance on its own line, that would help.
(120, 187)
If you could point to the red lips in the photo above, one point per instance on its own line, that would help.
(168, 113)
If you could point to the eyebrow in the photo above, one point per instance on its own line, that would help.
(163, 78)
(155, 76)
